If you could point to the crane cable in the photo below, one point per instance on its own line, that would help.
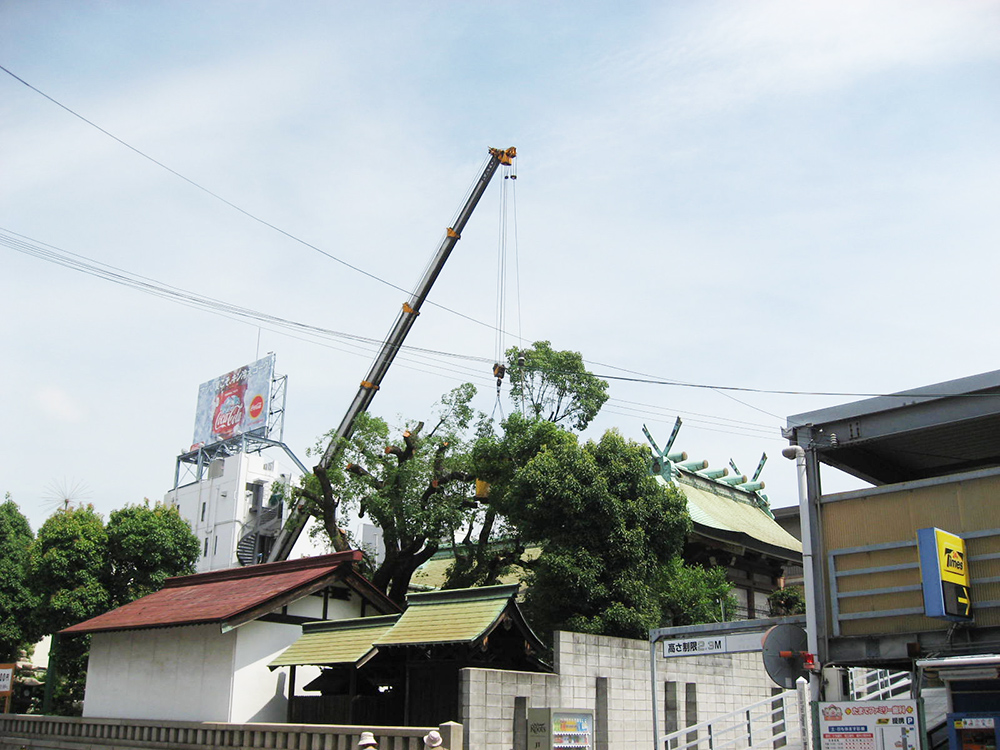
(507, 198)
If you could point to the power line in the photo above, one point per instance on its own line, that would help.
(433, 362)
(234, 206)
(214, 305)
(74, 261)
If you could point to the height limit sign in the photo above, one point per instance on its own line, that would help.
(944, 570)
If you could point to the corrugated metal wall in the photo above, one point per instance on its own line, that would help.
(871, 562)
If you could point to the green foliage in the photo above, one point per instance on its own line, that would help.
(691, 594)
(80, 569)
(148, 545)
(611, 535)
(786, 601)
(492, 545)
(68, 674)
(607, 528)
(69, 574)
(69, 568)
(413, 483)
(555, 385)
(17, 601)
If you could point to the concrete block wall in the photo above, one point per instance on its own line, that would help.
(702, 687)
(487, 703)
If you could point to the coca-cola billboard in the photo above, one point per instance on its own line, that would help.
(234, 403)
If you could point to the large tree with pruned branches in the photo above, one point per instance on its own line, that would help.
(415, 483)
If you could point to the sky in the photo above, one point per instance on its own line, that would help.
(777, 199)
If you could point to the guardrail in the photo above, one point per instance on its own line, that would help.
(79, 733)
(776, 722)
(878, 684)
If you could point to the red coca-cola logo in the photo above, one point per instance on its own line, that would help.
(229, 408)
(228, 418)
(256, 406)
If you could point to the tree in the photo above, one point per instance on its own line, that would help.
(692, 594)
(786, 601)
(608, 529)
(17, 601)
(80, 569)
(68, 563)
(492, 544)
(416, 487)
(555, 385)
(610, 534)
(68, 568)
(147, 545)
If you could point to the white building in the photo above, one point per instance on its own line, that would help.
(198, 649)
(236, 508)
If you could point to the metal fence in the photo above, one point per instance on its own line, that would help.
(878, 684)
(780, 721)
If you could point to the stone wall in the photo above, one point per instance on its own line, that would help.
(591, 670)
(23, 732)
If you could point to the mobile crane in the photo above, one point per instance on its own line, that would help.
(288, 535)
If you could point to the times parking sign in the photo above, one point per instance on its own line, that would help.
(944, 570)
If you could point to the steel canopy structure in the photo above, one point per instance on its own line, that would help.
(916, 434)
(932, 455)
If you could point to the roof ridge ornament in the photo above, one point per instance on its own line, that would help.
(664, 460)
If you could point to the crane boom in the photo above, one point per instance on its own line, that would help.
(397, 335)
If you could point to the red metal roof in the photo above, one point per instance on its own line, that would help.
(229, 597)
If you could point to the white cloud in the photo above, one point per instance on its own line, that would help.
(59, 404)
(749, 50)
(716, 60)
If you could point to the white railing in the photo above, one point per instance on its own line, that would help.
(68, 733)
(877, 684)
(780, 721)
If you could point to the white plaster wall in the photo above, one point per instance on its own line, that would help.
(197, 673)
(337, 609)
(258, 693)
(724, 682)
(181, 674)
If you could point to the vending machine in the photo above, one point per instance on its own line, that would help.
(973, 731)
(560, 729)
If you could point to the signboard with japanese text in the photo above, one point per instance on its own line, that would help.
(869, 725)
(976, 722)
(716, 644)
(235, 403)
(6, 685)
(944, 571)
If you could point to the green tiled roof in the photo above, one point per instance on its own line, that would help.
(724, 509)
(336, 642)
(458, 616)
(437, 617)
(433, 573)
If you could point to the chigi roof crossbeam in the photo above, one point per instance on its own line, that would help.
(672, 466)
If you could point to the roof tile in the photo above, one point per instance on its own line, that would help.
(217, 596)
(336, 642)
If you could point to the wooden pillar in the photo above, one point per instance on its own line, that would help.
(291, 693)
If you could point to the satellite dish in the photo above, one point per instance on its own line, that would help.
(786, 656)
